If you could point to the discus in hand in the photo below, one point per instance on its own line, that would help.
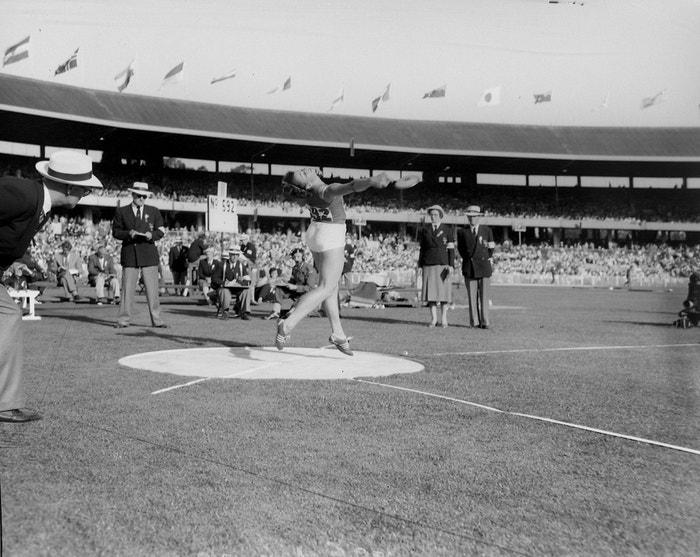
(405, 182)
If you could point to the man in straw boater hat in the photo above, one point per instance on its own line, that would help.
(139, 227)
(24, 206)
(475, 244)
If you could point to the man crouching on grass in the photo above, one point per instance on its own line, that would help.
(24, 204)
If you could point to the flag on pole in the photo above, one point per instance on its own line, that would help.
(651, 101)
(286, 85)
(175, 75)
(69, 64)
(124, 77)
(490, 97)
(17, 52)
(436, 93)
(385, 96)
(339, 98)
(543, 97)
(224, 77)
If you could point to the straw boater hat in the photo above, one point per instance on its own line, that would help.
(140, 188)
(69, 167)
(474, 211)
(436, 208)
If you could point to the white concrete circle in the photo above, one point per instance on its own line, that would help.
(269, 363)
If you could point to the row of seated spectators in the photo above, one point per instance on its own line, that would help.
(630, 204)
(387, 253)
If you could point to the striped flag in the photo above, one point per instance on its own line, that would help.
(385, 96)
(286, 85)
(69, 64)
(224, 77)
(124, 77)
(339, 98)
(17, 52)
(543, 97)
(175, 75)
(490, 97)
(436, 93)
(651, 101)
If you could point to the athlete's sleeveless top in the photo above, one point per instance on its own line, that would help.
(332, 211)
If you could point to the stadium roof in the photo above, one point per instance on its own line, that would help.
(43, 113)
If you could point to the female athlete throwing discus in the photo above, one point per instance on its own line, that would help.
(325, 237)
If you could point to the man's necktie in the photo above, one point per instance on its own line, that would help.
(138, 214)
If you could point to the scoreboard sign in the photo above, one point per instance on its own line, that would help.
(222, 214)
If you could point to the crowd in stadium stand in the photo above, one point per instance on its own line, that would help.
(627, 204)
(390, 252)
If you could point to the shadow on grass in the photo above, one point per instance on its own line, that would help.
(373, 319)
(665, 325)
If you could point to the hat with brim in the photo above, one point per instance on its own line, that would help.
(436, 208)
(69, 167)
(474, 211)
(140, 188)
(234, 251)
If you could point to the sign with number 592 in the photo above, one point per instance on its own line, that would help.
(222, 214)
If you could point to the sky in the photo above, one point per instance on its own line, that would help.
(598, 58)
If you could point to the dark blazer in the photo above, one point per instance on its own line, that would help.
(21, 201)
(436, 246)
(177, 258)
(205, 269)
(476, 251)
(138, 251)
(94, 267)
(237, 269)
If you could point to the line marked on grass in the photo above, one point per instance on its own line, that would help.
(238, 373)
(549, 420)
(565, 349)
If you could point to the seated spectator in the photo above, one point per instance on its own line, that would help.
(267, 285)
(205, 270)
(103, 274)
(24, 272)
(232, 280)
(303, 278)
(67, 264)
(691, 305)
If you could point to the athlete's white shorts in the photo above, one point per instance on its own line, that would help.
(324, 236)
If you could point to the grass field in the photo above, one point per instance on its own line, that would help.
(453, 460)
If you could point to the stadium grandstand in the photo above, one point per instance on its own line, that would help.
(531, 180)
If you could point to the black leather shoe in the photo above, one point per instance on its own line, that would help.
(19, 416)
(483, 326)
(121, 325)
(245, 317)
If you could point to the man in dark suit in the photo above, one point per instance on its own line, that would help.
(102, 273)
(233, 269)
(475, 244)
(177, 261)
(139, 227)
(24, 204)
